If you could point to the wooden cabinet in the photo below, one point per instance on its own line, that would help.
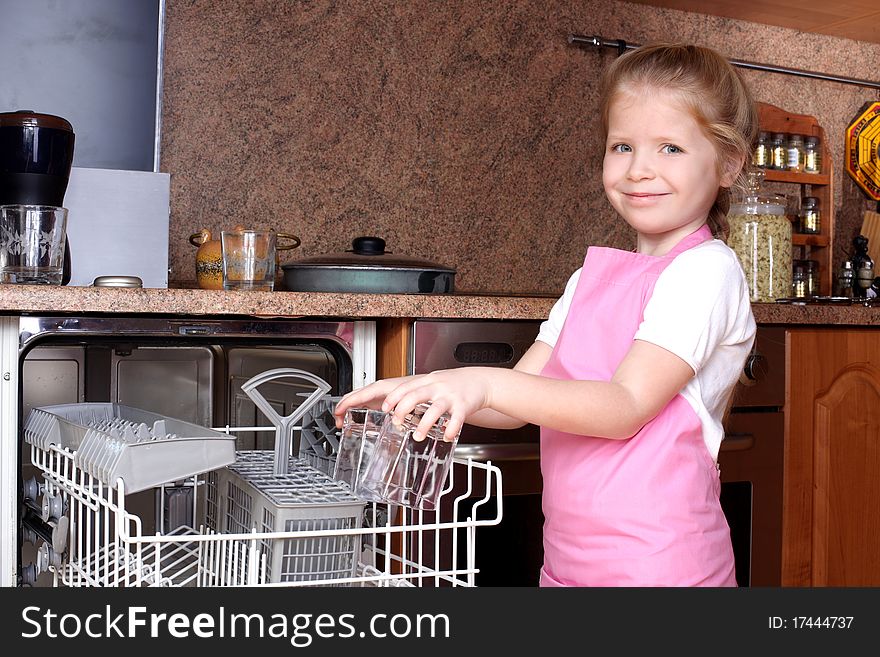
(831, 496)
(392, 347)
(816, 247)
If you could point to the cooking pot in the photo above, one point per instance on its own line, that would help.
(368, 267)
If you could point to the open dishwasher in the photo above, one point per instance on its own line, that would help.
(227, 516)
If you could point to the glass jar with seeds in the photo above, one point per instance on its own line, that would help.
(760, 235)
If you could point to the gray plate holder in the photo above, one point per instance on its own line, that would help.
(284, 426)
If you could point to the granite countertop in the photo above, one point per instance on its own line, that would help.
(31, 299)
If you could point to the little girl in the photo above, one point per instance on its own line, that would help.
(631, 374)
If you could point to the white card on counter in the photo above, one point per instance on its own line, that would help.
(117, 225)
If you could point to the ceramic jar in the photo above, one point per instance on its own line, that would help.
(209, 260)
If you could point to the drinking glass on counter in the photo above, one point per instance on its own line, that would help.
(248, 259)
(32, 243)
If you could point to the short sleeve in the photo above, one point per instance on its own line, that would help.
(552, 327)
(700, 301)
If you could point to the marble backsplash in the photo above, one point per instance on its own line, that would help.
(463, 132)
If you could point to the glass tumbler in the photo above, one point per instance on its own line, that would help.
(405, 471)
(248, 259)
(32, 244)
(360, 431)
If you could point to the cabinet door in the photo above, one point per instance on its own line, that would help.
(831, 528)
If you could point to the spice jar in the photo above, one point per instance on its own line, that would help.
(795, 153)
(778, 152)
(805, 278)
(798, 280)
(760, 235)
(761, 154)
(809, 218)
(812, 156)
(811, 268)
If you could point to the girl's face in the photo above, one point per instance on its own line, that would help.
(661, 172)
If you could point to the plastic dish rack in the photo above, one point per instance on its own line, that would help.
(114, 441)
(257, 527)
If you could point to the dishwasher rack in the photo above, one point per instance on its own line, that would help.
(96, 541)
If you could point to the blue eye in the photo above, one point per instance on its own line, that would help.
(621, 148)
(672, 149)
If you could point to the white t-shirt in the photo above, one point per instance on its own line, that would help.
(700, 311)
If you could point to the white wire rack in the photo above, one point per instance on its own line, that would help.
(103, 544)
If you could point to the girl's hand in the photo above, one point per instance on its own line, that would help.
(370, 396)
(458, 392)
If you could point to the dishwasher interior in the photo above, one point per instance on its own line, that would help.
(268, 515)
(189, 371)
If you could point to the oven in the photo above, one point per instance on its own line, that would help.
(509, 553)
(751, 462)
(189, 369)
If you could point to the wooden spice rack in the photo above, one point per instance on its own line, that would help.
(818, 247)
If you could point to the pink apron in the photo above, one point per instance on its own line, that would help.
(636, 512)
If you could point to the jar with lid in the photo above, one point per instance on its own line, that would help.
(805, 278)
(761, 154)
(798, 280)
(809, 220)
(760, 235)
(778, 152)
(812, 155)
(795, 153)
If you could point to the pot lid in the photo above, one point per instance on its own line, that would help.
(31, 119)
(367, 253)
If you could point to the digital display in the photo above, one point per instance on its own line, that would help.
(483, 353)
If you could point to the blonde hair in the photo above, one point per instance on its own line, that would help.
(710, 89)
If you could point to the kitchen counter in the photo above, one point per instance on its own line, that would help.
(26, 299)
(18, 299)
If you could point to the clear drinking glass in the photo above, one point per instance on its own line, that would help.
(248, 259)
(360, 431)
(405, 471)
(32, 242)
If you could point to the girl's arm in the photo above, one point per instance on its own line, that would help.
(646, 380)
(532, 362)
(373, 395)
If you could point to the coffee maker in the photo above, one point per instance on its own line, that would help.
(36, 154)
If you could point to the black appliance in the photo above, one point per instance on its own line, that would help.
(36, 154)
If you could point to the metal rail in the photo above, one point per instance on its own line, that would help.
(622, 46)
